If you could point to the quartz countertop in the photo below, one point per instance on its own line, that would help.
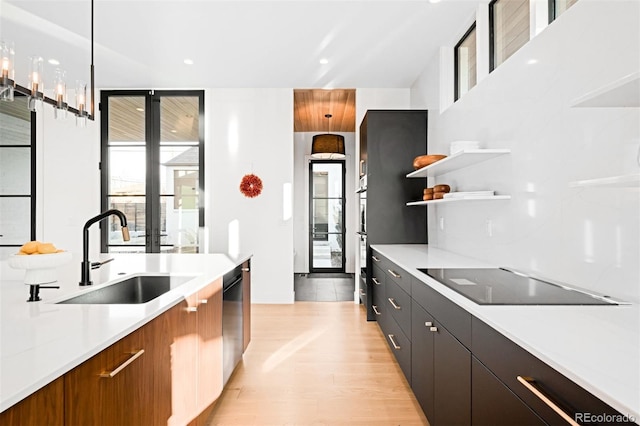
(598, 347)
(40, 341)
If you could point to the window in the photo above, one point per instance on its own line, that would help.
(465, 63)
(153, 169)
(508, 29)
(17, 175)
(557, 7)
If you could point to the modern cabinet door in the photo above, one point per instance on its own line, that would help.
(441, 371)
(452, 379)
(209, 344)
(108, 388)
(493, 404)
(422, 366)
(181, 327)
(43, 407)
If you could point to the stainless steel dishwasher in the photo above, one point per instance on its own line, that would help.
(232, 342)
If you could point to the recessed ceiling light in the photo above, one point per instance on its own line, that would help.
(532, 61)
(188, 61)
(174, 131)
(324, 61)
(54, 61)
(140, 109)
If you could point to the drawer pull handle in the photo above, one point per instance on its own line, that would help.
(393, 303)
(394, 273)
(375, 258)
(134, 356)
(529, 383)
(428, 324)
(192, 309)
(246, 270)
(434, 329)
(375, 281)
(204, 301)
(393, 342)
(375, 309)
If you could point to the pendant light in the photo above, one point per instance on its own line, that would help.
(35, 90)
(328, 146)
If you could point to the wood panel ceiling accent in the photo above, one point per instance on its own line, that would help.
(178, 119)
(310, 106)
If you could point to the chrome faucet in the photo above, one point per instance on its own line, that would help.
(85, 267)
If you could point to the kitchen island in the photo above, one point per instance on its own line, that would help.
(41, 341)
(596, 347)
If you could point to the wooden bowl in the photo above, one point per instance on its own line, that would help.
(425, 160)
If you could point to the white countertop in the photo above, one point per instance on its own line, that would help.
(40, 341)
(598, 347)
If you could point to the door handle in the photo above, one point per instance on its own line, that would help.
(529, 383)
(111, 374)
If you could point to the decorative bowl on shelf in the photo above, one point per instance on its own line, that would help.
(426, 160)
(40, 268)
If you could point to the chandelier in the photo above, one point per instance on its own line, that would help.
(35, 88)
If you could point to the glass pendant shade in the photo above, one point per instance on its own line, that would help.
(328, 147)
(60, 110)
(36, 85)
(7, 55)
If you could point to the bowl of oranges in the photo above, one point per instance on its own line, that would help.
(39, 260)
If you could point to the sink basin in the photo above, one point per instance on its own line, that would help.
(134, 290)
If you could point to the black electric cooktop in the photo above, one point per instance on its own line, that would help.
(495, 286)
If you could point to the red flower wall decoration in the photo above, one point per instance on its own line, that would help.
(251, 185)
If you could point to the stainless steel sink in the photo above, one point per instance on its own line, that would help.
(134, 290)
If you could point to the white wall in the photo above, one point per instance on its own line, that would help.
(251, 131)
(586, 237)
(67, 185)
(302, 151)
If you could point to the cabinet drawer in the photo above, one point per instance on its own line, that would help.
(507, 361)
(398, 303)
(378, 288)
(400, 346)
(493, 404)
(451, 316)
(393, 271)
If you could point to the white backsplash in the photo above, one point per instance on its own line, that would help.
(587, 237)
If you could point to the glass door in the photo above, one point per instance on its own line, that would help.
(326, 216)
(153, 169)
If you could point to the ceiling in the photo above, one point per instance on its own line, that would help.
(310, 107)
(239, 43)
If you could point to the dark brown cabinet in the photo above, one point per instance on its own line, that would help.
(461, 370)
(440, 371)
(389, 141)
(169, 371)
(494, 404)
(110, 387)
(43, 407)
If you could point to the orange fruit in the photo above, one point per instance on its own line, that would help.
(46, 248)
(30, 247)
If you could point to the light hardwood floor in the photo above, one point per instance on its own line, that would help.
(316, 363)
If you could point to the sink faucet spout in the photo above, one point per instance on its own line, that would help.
(85, 267)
